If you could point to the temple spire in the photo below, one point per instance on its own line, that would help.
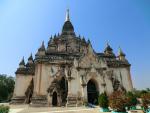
(109, 51)
(67, 15)
(30, 58)
(22, 63)
(68, 28)
(121, 53)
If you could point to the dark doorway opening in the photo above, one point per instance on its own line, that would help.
(29, 92)
(92, 92)
(54, 99)
(64, 90)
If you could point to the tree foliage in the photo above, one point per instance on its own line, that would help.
(118, 101)
(145, 100)
(4, 109)
(103, 100)
(132, 98)
(139, 93)
(6, 87)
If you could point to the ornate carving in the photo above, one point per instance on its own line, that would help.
(116, 84)
(110, 75)
(68, 71)
(83, 80)
(60, 86)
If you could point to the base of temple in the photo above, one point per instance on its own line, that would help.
(18, 100)
(39, 101)
(71, 101)
(80, 102)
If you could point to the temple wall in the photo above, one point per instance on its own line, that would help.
(123, 75)
(109, 88)
(36, 79)
(127, 83)
(21, 84)
(75, 82)
(44, 77)
(44, 80)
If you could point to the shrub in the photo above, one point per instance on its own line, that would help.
(85, 103)
(131, 100)
(145, 100)
(118, 101)
(103, 100)
(4, 109)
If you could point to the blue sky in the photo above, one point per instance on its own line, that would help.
(24, 24)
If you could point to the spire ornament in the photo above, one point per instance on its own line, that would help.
(22, 63)
(30, 59)
(68, 28)
(121, 53)
(67, 15)
(109, 51)
(89, 42)
(108, 48)
(42, 48)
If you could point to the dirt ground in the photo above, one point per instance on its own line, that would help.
(28, 109)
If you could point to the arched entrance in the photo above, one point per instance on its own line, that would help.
(92, 92)
(58, 91)
(64, 90)
(54, 99)
(29, 92)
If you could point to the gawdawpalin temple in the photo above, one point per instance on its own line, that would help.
(68, 72)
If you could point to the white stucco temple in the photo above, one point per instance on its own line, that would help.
(69, 72)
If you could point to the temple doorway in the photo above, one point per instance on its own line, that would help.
(92, 92)
(54, 99)
(29, 92)
(64, 90)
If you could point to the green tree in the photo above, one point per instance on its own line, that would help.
(148, 90)
(132, 100)
(6, 87)
(138, 93)
(103, 100)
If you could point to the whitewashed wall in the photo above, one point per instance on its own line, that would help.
(21, 84)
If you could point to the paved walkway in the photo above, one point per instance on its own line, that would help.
(27, 109)
(17, 110)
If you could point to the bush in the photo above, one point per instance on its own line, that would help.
(118, 101)
(4, 109)
(85, 103)
(103, 100)
(145, 100)
(131, 100)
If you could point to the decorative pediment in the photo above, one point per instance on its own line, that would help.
(93, 70)
(89, 59)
